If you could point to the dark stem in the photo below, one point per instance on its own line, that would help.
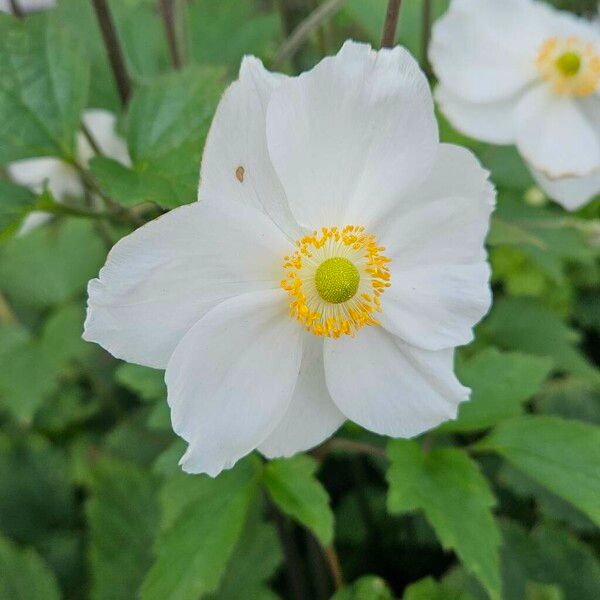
(426, 34)
(391, 23)
(348, 446)
(333, 562)
(113, 48)
(296, 582)
(316, 564)
(168, 12)
(16, 9)
(91, 140)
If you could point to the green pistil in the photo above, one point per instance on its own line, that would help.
(569, 63)
(337, 280)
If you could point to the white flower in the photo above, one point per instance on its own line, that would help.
(333, 263)
(520, 72)
(27, 5)
(61, 178)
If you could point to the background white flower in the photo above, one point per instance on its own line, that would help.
(520, 72)
(61, 178)
(353, 142)
(27, 5)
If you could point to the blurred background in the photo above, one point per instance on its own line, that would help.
(92, 503)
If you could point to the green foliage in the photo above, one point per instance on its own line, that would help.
(123, 516)
(368, 587)
(294, 488)
(561, 455)
(15, 203)
(500, 384)
(44, 79)
(24, 576)
(199, 508)
(429, 589)
(149, 384)
(456, 499)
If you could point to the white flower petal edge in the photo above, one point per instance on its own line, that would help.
(482, 50)
(555, 135)
(102, 125)
(389, 387)
(160, 280)
(231, 379)
(350, 136)
(571, 192)
(312, 416)
(235, 162)
(492, 122)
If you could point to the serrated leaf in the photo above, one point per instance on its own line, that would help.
(148, 383)
(15, 203)
(562, 455)
(24, 575)
(292, 485)
(368, 587)
(500, 382)
(203, 519)
(167, 122)
(50, 264)
(456, 499)
(123, 515)
(44, 77)
(528, 326)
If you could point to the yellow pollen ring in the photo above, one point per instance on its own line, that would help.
(335, 279)
(570, 65)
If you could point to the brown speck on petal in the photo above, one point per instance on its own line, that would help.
(239, 174)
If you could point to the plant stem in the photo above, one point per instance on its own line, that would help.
(168, 11)
(350, 446)
(391, 23)
(113, 48)
(17, 11)
(425, 36)
(333, 562)
(299, 35)
(91, 140)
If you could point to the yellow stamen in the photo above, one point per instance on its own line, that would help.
(334, 280)
(570, 65)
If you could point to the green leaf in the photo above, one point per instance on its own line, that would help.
(562, 455)
(368, 587)
(50, 264)
(253, 562)
(15, 203)
(293, 486)
(30, 371)
(35, 495)
(542, 591)
(24, 575)
(148, 383)
(548, 555)
(500, 383)
(123, 515)
(167, 122)
(44, 77)
(203, 519)
(456, 499)
(430, 589)
(526, 325)
(247, 30)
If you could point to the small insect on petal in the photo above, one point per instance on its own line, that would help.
(239, 174)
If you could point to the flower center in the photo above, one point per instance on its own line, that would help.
(337, 280)
(570, 65)
(334, 280)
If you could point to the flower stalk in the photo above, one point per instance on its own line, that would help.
(391, 23)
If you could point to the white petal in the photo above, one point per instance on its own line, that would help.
(348, 137)
(62, 179)
(390, 387)
(555, 134)
(158, 281)
(436, 307)
(446, 220)
(102, 126)
(235, 163)
(27, 5)
(570, 192)
(231, 378)
(312, 416)
(485, 50)
(493, 122)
